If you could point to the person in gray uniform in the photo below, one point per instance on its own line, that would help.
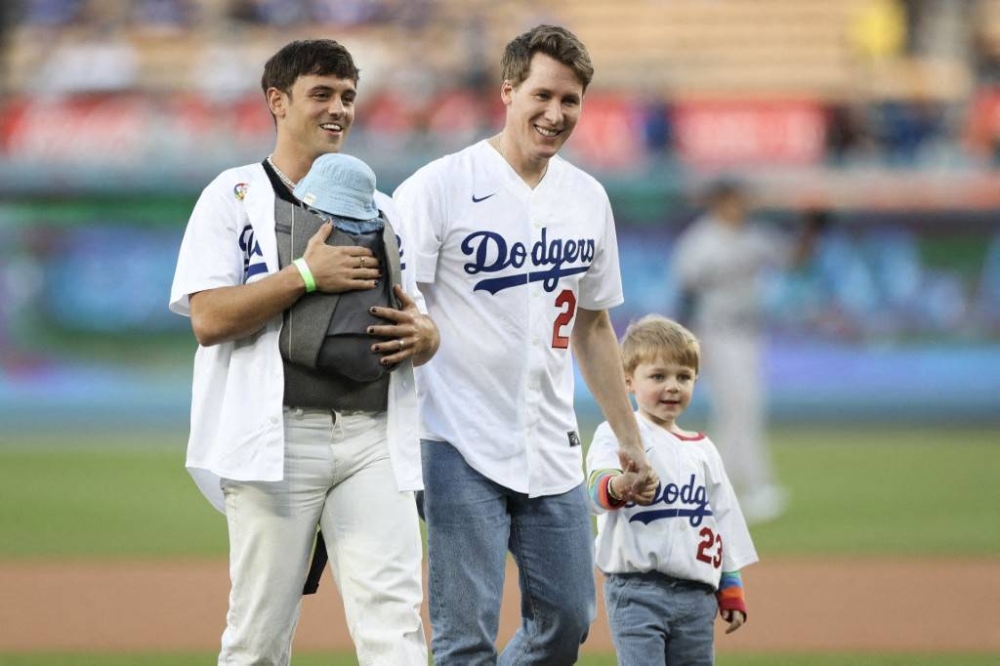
(718, 261)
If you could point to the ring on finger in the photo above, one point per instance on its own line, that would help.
(362, 264)
(400, 343)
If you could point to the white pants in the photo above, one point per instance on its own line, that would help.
(337, 475)
(733, 366)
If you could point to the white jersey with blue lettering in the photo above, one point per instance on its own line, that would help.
(504, 268)
(693, 530)
(237, 427)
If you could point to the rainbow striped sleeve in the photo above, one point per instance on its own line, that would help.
(730, 593)
(597, 485)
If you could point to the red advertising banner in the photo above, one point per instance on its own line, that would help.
(609, 134)
(983, 129)
(128, 129)
(723, 133)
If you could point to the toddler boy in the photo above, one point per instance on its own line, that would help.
(670, 566)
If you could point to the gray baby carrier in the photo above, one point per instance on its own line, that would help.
(328, 332)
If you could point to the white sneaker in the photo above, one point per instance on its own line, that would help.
(764, 504)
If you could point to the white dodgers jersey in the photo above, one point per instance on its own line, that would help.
(504, 269)
(693, 530)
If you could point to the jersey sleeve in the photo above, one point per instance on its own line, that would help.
(730, 596)
(601, 286)
(601, 456)
(738, 550)
(420, 203)
(213, 253)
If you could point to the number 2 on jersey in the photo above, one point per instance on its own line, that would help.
(565, 299)
(710, 540)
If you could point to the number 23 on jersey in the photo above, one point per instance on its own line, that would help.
(710, 547)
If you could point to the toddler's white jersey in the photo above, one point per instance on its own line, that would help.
(504, 268)
(694, 528)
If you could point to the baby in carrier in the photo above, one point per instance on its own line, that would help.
(323, 331)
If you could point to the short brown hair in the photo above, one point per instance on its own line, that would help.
(654, 337)
(321, 57)
(556, 42)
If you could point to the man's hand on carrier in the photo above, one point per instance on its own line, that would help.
(340, 268)
(409, 333)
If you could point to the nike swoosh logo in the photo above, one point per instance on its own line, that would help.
(477, 200)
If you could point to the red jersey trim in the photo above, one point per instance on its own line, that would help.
(693, 438)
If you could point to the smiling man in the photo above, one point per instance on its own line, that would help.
(518, 261)
(281, 442)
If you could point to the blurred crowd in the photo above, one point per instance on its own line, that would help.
(187, 14)
(869, 284)
(924, 92)
(162, 80)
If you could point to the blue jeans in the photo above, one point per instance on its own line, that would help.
(471, 524)
(657, 620)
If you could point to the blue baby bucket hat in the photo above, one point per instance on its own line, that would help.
(341, 185)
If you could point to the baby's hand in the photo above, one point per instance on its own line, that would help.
(735, 619)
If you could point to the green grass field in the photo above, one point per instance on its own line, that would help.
(877, 491)
(860, 491)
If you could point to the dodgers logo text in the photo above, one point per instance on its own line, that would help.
(692, 498)
(557, 258)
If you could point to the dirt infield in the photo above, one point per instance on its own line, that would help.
(909, 605)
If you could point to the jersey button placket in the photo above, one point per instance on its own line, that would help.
(536, 352)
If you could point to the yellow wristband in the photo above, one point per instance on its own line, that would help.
(306, 274)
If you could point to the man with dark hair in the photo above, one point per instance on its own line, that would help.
(288, 432)
(513, 238)
(321, 57)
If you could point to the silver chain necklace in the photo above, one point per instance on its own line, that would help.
(281, 174)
